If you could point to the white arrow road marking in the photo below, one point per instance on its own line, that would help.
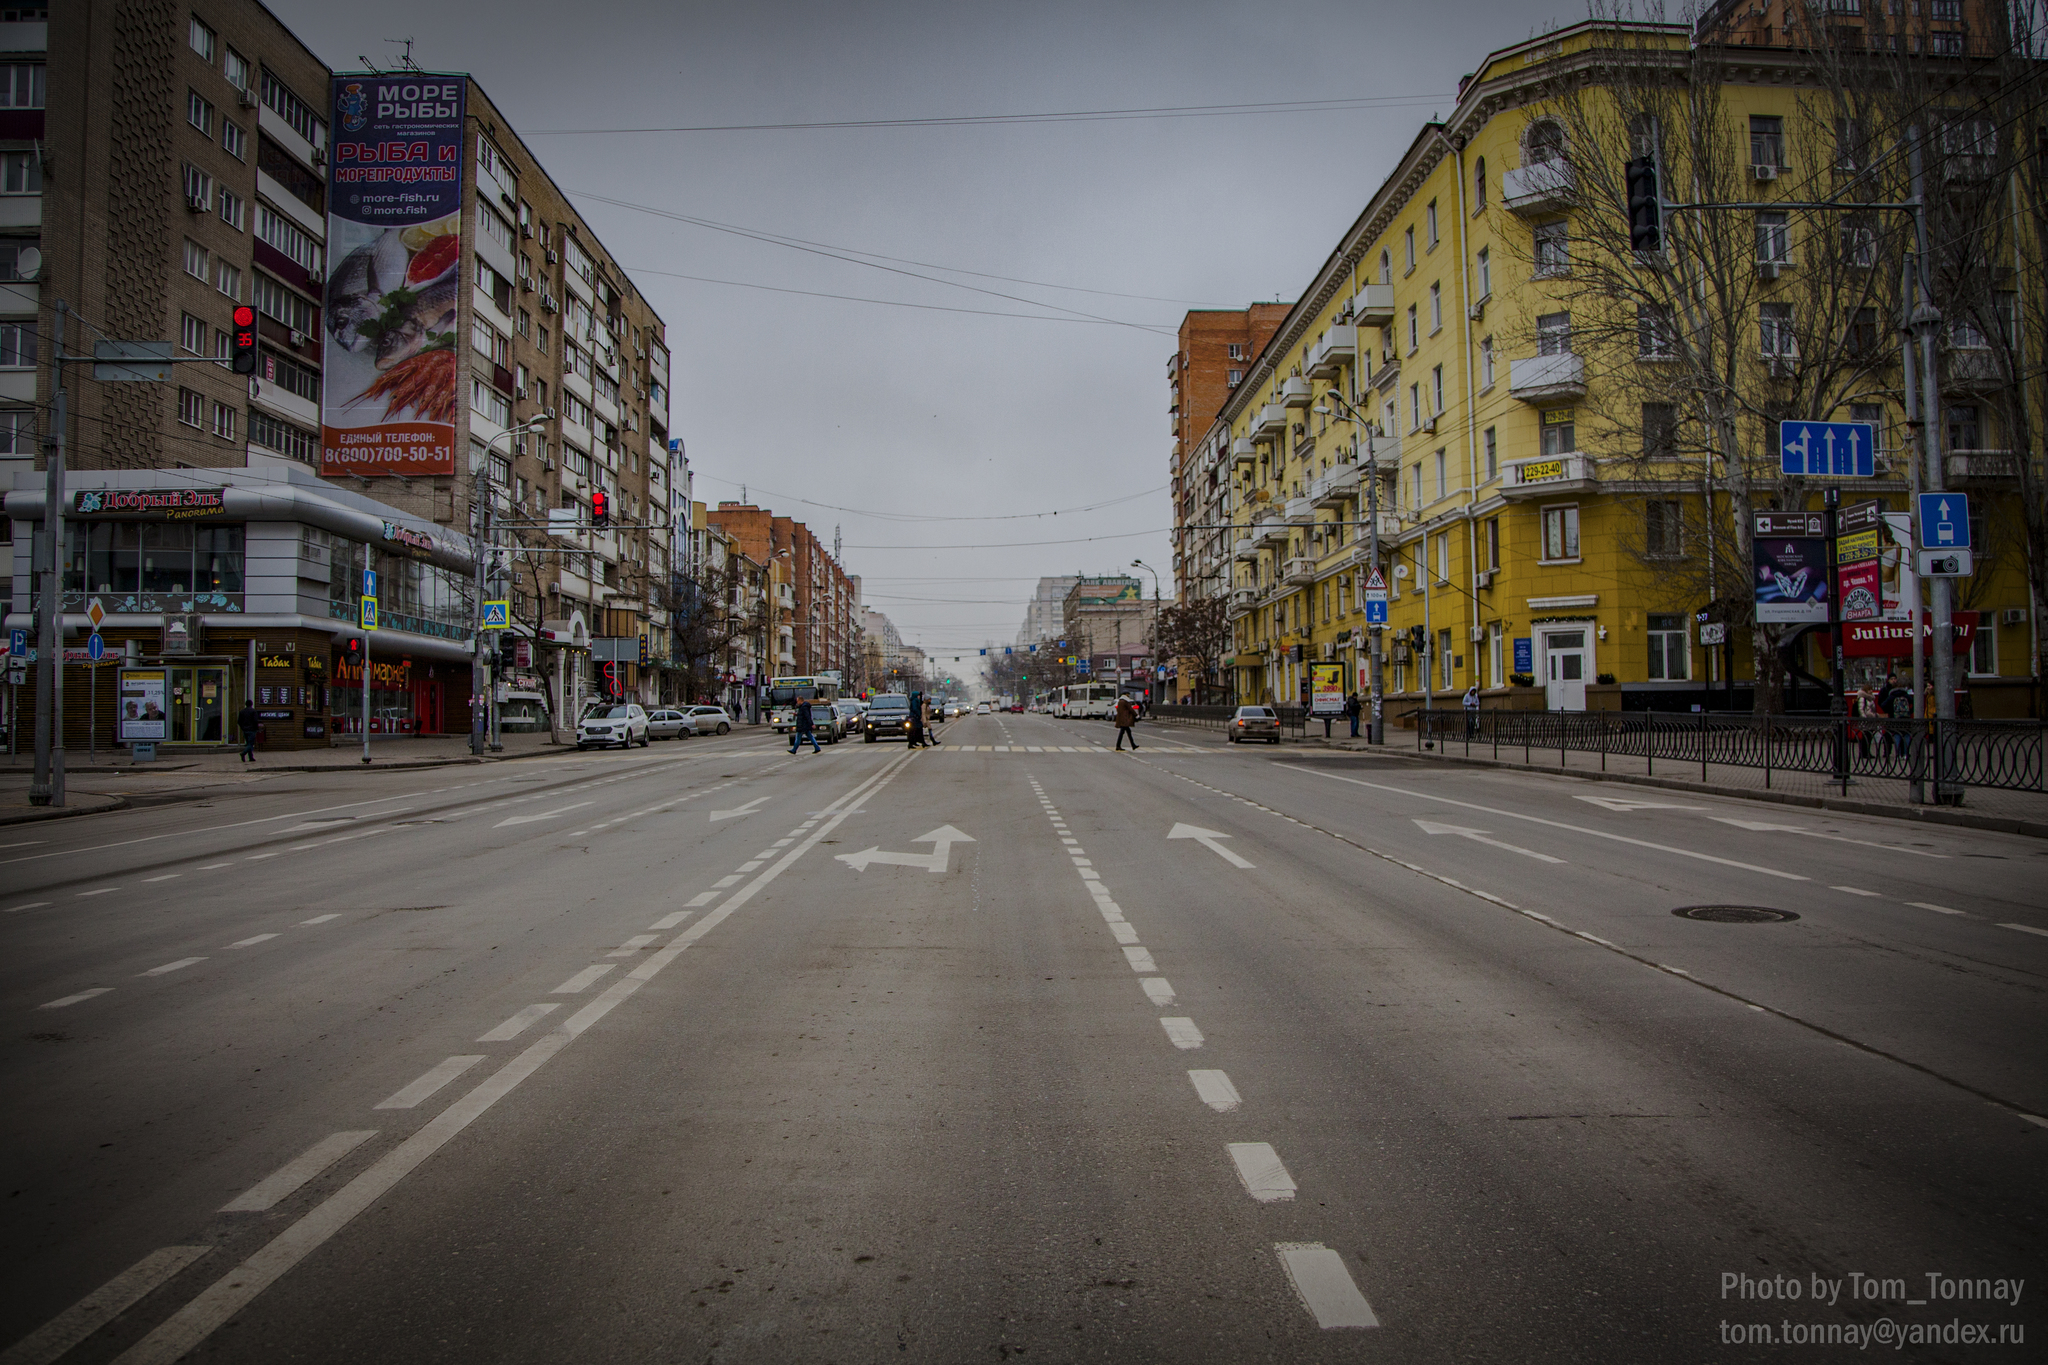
(1478, 836)
(544, 815)
(747, 809)
(1622, 803)
(1767, 826)
(1207, 838)
(942, 840)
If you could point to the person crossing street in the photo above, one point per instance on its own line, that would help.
(1126, 717)
(806, 728)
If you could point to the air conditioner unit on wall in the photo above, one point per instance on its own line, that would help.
(246, 98)
(1769, 270)
(1477, 312)
(1476, 634)
(1764, 171)
(196, 202)
(2013, 616)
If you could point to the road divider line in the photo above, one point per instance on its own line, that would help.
(439, 1075)
(1324, 1283)
(100, 1307)
(1260, 1170)
(1854, 891)
(166, 877)
(520, 1022)
(1215, 1090)
(1183, 1032)
(631, 945)
(1940, 909)
(286, 1179)
(170, 967)
(670, 921)
(1158, 990)
(2026, 929)
(318, 919)
(252, 940)
(581, 981)
(28, 905)
(75, 999)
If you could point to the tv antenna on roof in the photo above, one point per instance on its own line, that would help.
(405, 62)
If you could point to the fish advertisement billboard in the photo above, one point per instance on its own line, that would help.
(394, 246)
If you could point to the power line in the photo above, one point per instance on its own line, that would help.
(898, 303)
(918, 516)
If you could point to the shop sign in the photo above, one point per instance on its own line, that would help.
(1791, 578)
(273, 715)
(418, 542)
(315, 727)
(1862, 589)
(1893, 639)
(142, 703)
(388, 676)
(183, 633)
(1856, 547)
(275, 660)
(174, 504)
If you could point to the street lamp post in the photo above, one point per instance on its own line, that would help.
(1375, 731)
(480, 702)
(1141, 564)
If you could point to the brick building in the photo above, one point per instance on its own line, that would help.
(1217, 347)
(822, 625)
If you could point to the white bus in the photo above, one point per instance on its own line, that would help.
(785, 693)
(1084, 701)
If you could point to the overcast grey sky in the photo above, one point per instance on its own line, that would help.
(918, 412)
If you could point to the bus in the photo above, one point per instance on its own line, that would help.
(785, 693)
(1083, 701)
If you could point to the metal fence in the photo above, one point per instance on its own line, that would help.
(2006, 755)
(1292, 718)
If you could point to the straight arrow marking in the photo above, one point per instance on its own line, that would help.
(1478, 836)
(941, 839)
(747, 809)
(1767, 826)
(1209, 839)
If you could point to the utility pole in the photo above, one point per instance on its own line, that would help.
(47, 786)
(1926, 320)
(1375, 730)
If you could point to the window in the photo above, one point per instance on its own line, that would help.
(1655, 337)
(487, 402)
(1486, 362)
(202, 40)
(1859, 241)
(1560, 533)
(1554, 334)
(17, 431)
(1386, 267)
(1544, 144)
(233, 209)
(575, 410)
(1414, 406)
(11, 249)
(233, 140)
(224, 421)
(488, 342)
(198, 112)
(1492, 551)
(299, 115)
(1862, 337)
(1492, 455)
(1984, 646)
(1852, 144)
(1479, 183)
(1660, 431)
(289, 375)
(1236, 378)
(195, 260)
(21, 173)
(21, 85)
(1560, 434)
(17, 345)
(577, 259)
(1663, 529)
(1443, 478)
(238, 70)
(1414, 330)
(282, 233)
(1773, 238)
(1667, 648)
(1436, 376)
(1965, 335)
(1436, 308)
(1945, 44)
(1553, 250)
(489, 223)
(287, 170)
(1409, 237)
(198, 188)
(191, 334)
(191, 408)
(1485, 264)
(1775, 325)
(1964, 433)
(540, 341)
(280, 304)
(1236, 350)
(1766, 140)
(1430, 224)
(524, 323)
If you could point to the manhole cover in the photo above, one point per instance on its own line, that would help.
(1734, 914)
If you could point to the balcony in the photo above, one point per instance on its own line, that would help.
(1296, 392)
(1548, 477)
(1982, 466)
(1270, 531)
(1301, 511)
(1298, 573)
(1245, 550)
(1536, 191)
(1373, 306)
(1972, 370)
(1338, 348)
(1242, 451)
(1270, 424)
(1242, 600)
(1336, 488)
(1547, 378)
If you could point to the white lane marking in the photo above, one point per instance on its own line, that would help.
(670, 921)
(1258, 1166)
(541, 815)
(27, 905)
(26, 843)
(941, 839)
(1854, 890)
(1215, 1090)
(2026, 929)
(1140, 960)
(753, 866)
(259, 857)
(74, 999)
(738, 811)
(439, 1075)
(581, 981)
(1208, 838)
(1320, 1276)
(1123, 931)
(167, 877)
(99, 891)
(151, 838)
(171, 966)
(631, 945)
(1939, 909)
(100, 1307)
(254, 939)
(1111, 912)
(212, 867)
(1158, 989)
(1478, 836)
(319, 919)
(1804, 832)
(724, 882)
(703, 898)
(1622, 803)
(286, 1179)
(1555, 824)
(182, 1331)
(1183, 1032)
(520, 1022)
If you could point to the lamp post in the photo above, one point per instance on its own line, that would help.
(1375, 731)
(480, 702)
(1141, 564)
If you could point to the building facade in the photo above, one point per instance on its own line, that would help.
(1216, 351)
(820, 628)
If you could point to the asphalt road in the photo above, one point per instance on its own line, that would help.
(1014, 1048)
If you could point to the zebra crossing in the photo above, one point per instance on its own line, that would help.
(1060, 749)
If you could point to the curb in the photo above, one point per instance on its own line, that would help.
(63, 812)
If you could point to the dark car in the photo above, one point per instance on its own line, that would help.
(888, 718)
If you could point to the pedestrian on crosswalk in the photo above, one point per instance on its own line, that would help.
(1126, 717)
(806, 728)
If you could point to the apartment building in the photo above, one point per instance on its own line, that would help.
(821, 629)
(1216, 349)
(1485, 343)
(724, 620)
(1108, 621)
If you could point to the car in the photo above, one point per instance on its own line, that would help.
(825, 724)
(850, 715)
(1255, 722)
(620, 723)
(982, 708)
(888, 718)
(1016, 708)
(710, 720)
(669, 723)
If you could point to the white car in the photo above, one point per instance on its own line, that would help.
(710, 720)
(981, 708)
(622, 723)
(669, 723)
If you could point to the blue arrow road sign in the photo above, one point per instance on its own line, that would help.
(1944, 521)
(369, 582)
(1375, 611)
(1829, 450)
(95, 647)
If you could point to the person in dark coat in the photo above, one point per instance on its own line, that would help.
(806, 728)
(917, 720)
(1353, 709)
(248, 721)
(1126, 716)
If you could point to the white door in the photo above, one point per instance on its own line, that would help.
(1564, 653)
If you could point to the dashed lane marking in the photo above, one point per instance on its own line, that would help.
(169, 967)
(100, 1307)
(582, 980)
(2026, 929)
(520, 1022)
(1320, 1276)
(442, 1073)
(1182, 1032)
(252, 940)
(1215, 1090)
(1259, 1167)
(320, 919)
(74, 999)
(274, 1188)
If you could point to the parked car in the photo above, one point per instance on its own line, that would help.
(669, 723)
(710, 720)
(1255, 722)
(621, 723)
(888, 718)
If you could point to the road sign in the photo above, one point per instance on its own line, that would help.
(1829, 450)
(1946, 564)
(1791, 524)
(17, 642)
(369, 613)
(369, 582)
(131, 362)
(498, 615)
(1860, 516)
(95, 647)
(1715, 633)
(1376, 611)
(95, 613)
(1944, 521)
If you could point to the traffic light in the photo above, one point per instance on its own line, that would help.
(600, 507)
(508, 651)
(350, 655)
(1645, 211)
(245, 339)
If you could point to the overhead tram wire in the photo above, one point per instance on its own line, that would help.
(921, 516)
(899, 303)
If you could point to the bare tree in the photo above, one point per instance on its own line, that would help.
(1197, 631)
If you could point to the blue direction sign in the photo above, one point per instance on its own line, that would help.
(1828, 450)
(1375, 611)
(1944, 521)
(95, 647)
(369, 582)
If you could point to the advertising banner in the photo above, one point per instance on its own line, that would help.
(1791, 579)
(1894, 639)
(1326, 689)
(394, 243)
(142, 703)
(1862, 588)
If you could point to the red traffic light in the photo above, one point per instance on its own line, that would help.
(245, 339)
(600, 507)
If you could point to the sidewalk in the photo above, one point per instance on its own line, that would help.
(398, 751)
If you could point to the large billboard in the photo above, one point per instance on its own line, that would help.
(394, 248)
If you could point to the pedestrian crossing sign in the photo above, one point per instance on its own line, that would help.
(497, 615)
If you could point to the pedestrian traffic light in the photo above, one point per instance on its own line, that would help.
(508, 651)
(600, 507)
(245, 339)
(1645, 211)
